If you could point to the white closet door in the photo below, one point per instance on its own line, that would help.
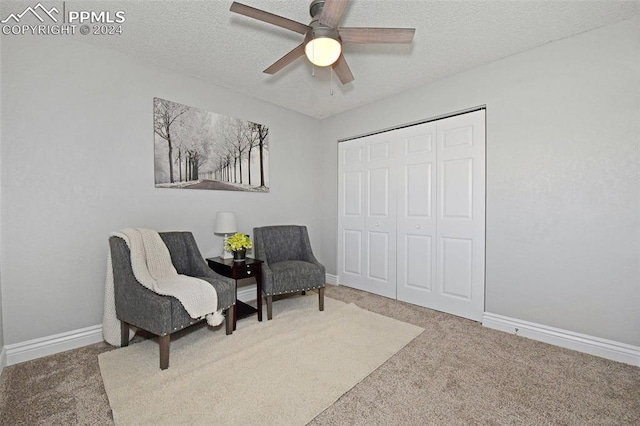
(460, 215)
(380, 215)
(416, 213)
(351, 222)
(412, 214)
(367, 229)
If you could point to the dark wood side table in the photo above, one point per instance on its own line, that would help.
(250, 268)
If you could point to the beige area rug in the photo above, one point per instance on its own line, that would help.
(280, 372)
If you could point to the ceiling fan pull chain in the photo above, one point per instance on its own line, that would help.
(331, 81)
(313, 66)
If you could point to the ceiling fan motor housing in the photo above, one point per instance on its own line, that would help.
(319, 31)
(316, 7)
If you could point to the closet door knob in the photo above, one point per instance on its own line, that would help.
(417, 226)
(377, 223)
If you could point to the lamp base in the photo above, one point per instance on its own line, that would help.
(225, 254)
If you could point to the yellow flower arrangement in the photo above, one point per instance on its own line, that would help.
(237, 242)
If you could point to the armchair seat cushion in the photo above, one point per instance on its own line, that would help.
(295, 275)
(226, 290)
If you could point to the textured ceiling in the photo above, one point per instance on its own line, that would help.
(204, 40)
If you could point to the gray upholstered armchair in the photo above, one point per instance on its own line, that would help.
(138, 306)
(289, 264)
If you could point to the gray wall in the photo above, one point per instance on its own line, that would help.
(1, 320)
(77, 163)
(563, 177)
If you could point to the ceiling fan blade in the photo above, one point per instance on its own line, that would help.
(332, 12)
(377, 35)
(270, 18)
(286, 60)
(342, 70)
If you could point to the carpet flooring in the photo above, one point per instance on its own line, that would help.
(455, 373)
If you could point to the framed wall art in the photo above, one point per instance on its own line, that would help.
(198, 149)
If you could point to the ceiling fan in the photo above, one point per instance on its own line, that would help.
(323, 38)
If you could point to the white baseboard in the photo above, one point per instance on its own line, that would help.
(3, 361)
(247, 293)
(609, 349)
(37, 348)
(604, 348)
(331, 279)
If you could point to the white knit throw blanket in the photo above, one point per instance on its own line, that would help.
(152, 267)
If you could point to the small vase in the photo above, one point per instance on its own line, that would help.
(239, 255)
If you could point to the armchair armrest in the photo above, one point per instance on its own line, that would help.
(307, 251)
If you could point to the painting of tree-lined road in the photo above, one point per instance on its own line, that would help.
(198, 149)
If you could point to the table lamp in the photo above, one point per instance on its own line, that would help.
(226, 225)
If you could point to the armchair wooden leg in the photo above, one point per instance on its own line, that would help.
(321, 298)
(269, 307)
(229, 319)
(124, 333)
(164, 342)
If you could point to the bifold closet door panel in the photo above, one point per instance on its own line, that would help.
(351, 205)
(460, 201)
(416, 230)
(367, 228)
(380, 215)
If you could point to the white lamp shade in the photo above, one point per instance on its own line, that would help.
(225, 223)
(323, 51)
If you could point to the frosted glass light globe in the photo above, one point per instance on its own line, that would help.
(323, 51)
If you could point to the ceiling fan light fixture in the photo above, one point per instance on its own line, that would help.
(322, 45)
(323, 51)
